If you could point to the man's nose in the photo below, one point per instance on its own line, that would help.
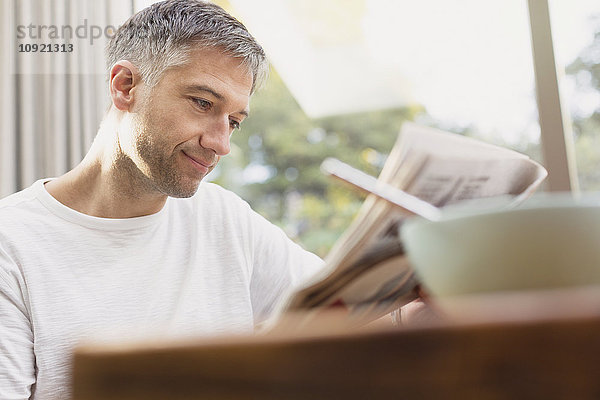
(217, 136)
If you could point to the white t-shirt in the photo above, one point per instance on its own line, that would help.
(201, 266)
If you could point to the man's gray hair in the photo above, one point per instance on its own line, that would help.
(163, 35)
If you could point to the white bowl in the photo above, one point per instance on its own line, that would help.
(548, 242)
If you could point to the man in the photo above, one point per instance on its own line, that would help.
(132, 241)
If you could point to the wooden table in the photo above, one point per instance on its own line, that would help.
(527, 345)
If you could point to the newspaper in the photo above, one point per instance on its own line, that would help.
(367, 273)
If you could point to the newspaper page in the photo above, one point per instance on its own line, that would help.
(366, 271)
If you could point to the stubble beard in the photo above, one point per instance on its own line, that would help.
(157, 163)
(163, 172)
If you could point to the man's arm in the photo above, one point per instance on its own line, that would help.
(279, 265)
(17, 360)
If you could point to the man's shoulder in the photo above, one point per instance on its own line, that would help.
(18, 201)
(19, 212)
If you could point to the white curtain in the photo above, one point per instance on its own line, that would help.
(52, 101)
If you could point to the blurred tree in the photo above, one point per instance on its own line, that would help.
(585, 71)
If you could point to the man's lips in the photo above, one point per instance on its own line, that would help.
(199, 163)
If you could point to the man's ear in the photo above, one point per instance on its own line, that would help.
(125, 83)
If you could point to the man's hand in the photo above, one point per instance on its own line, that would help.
(417, 312)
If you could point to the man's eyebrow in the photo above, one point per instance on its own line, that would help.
(204, 88)
(208, 89)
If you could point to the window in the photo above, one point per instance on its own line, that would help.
(348, 73)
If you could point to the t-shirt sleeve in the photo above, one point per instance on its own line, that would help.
(278, 265)
(17, 360)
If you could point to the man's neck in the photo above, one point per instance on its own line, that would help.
(107, 184)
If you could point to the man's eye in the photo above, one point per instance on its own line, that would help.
(234, 124)
(203, 104)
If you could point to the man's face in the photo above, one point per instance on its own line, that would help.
(183, 125)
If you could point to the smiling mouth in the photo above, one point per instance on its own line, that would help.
(200, 165)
